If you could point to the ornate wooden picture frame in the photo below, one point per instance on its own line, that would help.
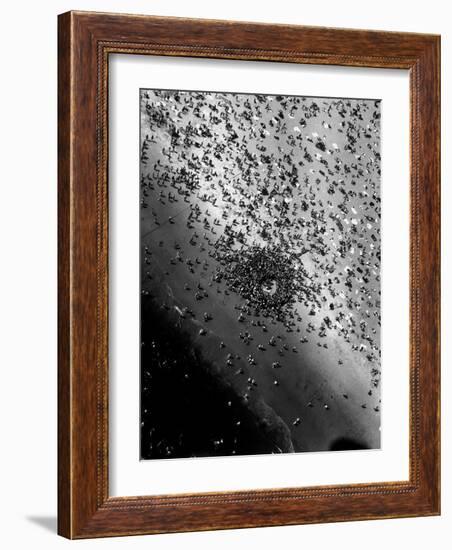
(86, 40)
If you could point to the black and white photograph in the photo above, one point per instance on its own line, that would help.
(260, 274)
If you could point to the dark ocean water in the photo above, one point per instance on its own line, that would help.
(186, 410)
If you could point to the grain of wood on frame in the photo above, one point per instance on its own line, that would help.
(85, 42)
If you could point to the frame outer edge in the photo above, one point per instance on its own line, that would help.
(432, 175)
(64, 277)
(438, 175)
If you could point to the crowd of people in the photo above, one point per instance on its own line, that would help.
(280, 199)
